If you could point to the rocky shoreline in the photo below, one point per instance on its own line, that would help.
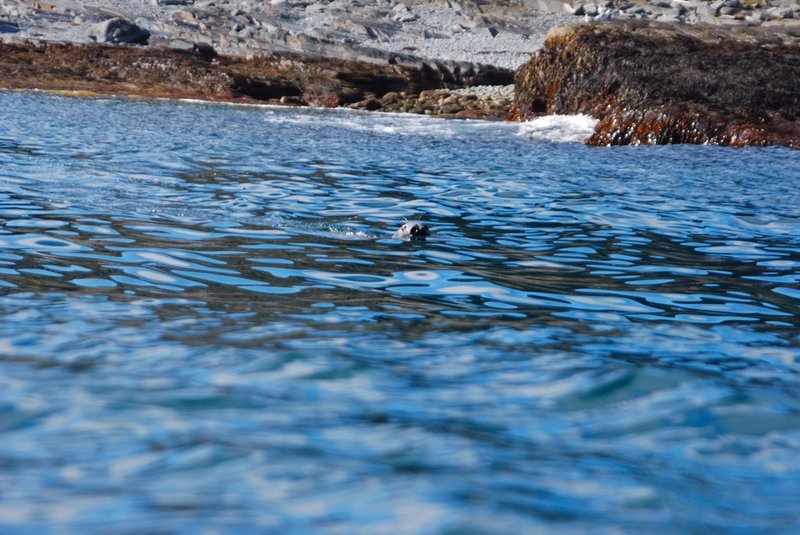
(271, 78)
(444, 58)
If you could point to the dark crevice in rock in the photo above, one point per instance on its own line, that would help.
(263, 89)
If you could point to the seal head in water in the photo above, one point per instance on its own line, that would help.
(412, 231)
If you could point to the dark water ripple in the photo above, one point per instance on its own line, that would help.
(207, 325)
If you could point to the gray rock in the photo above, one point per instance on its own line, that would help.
(714, 7)
(402, 13)
(118, 30)
(606, 14)
(173, 2)
(754, 19)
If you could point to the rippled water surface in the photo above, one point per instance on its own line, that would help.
(208, 328)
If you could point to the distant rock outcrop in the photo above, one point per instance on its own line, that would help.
(655, 83)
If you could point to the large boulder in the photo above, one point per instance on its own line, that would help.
(118, 30)
(656, 83)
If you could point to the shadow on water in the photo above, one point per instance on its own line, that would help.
(219, 330)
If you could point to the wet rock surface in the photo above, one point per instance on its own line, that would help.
(440, 103)
(655, 83)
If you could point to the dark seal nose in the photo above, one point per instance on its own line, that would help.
(420, 231)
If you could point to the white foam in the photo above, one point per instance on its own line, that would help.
(559, 128)
(390, 123)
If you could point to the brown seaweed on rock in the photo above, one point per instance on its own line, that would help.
(656, 83)
(275, 77)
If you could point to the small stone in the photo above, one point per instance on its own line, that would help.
(714, 7)
(42, 6)
(450, 109)
(205, 51)
(769, 14)
(390, 98)
(427, 94)
(372, 104)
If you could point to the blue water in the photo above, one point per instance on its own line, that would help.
(208, 328)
